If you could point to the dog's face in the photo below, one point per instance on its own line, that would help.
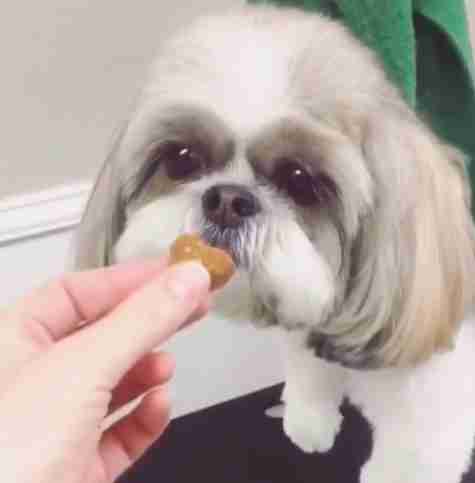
(276, 135)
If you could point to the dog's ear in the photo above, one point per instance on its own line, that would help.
(413, 273)
(104, 216)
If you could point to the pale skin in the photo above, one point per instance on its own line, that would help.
(76, 350)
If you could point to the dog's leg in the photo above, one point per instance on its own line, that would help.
(312, 396)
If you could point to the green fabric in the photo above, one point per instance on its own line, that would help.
(425, 48)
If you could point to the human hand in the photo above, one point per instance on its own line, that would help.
(76, 350)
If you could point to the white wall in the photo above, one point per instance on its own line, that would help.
(69, 71)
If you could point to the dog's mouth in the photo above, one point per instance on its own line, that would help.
(232, 240)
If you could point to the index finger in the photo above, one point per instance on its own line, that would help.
(60, 307)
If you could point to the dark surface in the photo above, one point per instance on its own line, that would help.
(236, 443)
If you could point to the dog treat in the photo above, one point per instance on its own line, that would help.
(218, 262)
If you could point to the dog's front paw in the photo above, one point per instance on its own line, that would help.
(311, 429)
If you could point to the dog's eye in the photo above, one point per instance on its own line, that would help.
(304, 188)
(292, 177)
(182, 161)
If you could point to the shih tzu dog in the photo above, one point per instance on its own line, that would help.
(276, 135)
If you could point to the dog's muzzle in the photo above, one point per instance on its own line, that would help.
(228, 209)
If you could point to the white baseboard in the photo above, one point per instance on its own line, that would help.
(41, 213)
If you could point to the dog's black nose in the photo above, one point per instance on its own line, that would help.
(227, 205)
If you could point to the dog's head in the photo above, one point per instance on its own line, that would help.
(276, 135)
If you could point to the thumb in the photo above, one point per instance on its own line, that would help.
(138, 325)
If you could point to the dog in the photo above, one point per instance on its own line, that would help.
(276, 135)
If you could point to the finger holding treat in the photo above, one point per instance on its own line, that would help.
(218, 262)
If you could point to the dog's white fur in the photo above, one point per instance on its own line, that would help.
(403, 274)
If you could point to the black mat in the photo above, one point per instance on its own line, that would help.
(235, 443)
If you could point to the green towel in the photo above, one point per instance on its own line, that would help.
(425, 48)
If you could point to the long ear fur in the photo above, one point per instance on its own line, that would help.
(413, 265)
(103, 218)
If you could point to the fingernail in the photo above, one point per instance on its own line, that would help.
(188, 279)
